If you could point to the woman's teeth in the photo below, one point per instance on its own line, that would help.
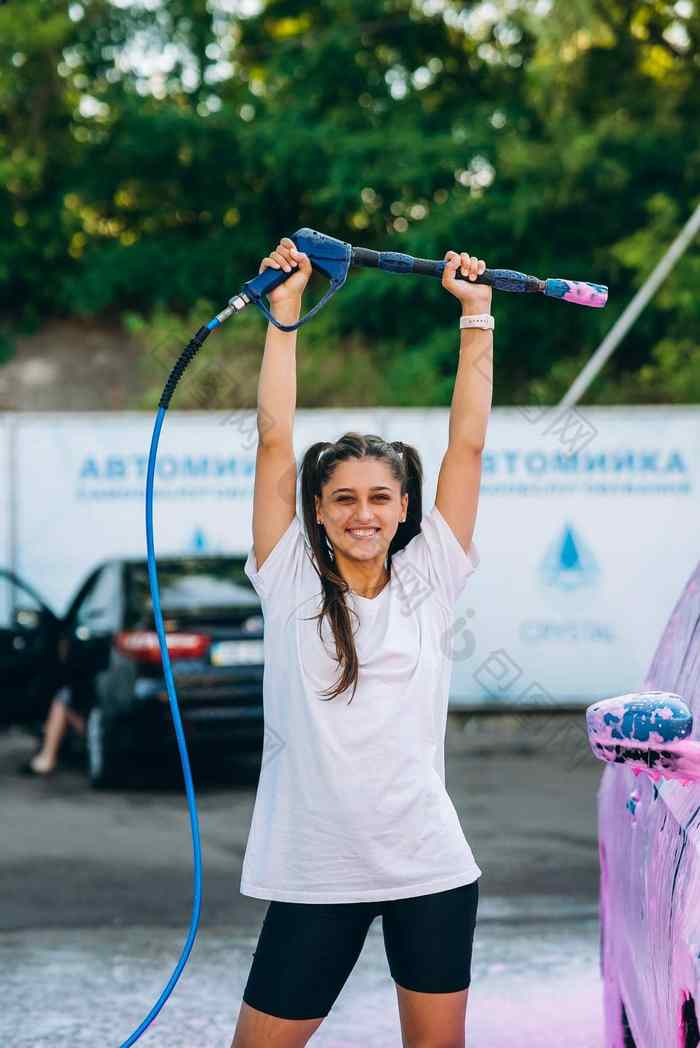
(363, 532)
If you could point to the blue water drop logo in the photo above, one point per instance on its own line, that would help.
(198, 542)
(568, 564)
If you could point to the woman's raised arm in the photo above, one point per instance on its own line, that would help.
(274, 499)
(459, 480)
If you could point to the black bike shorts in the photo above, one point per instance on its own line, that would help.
(306, 951)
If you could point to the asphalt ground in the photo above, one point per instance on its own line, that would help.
(97, 900)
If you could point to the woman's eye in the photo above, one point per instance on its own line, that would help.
(348, 498)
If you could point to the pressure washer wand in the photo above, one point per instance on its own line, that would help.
(583, 293)
(333, 258)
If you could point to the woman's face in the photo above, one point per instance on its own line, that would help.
(361, 496)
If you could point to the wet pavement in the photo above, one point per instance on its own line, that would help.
(534, 983)
(97, 898)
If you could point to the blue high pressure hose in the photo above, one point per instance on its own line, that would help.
(182, 746)
(333, 259)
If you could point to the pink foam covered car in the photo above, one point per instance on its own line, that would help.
(649, 841)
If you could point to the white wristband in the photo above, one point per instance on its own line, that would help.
(478, 320)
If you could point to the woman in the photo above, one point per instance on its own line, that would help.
(352, 819)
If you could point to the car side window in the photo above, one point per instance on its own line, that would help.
(19, 609)
(98, 611)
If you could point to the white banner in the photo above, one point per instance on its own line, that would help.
(587, 527)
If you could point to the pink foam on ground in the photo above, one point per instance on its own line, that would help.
(537, 1013)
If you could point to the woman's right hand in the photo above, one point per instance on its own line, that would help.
(286, 257)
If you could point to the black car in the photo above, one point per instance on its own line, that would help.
(214, 625)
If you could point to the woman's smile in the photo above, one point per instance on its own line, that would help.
(362, 533)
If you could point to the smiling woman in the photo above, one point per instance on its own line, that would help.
(352, 819)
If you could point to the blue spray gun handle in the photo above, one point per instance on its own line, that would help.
(327, 255)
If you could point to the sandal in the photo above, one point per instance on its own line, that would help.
(27, 769)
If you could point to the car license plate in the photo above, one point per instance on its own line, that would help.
(235, 652)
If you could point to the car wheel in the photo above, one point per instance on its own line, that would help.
(102, 766)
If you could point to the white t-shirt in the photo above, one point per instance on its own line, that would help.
(351, 804)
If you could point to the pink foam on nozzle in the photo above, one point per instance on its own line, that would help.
(585, 294)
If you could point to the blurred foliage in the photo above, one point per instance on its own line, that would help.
(151, 153)
(7, 347)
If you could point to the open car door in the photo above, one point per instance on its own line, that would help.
(29, 666)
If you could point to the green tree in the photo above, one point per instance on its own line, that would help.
(153, 156)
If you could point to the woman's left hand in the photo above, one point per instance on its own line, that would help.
(475, 298)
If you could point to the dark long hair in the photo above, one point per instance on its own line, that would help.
(317, 466)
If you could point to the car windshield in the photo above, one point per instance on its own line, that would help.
(192, 586)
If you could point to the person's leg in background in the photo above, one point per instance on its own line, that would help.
(59, 717)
